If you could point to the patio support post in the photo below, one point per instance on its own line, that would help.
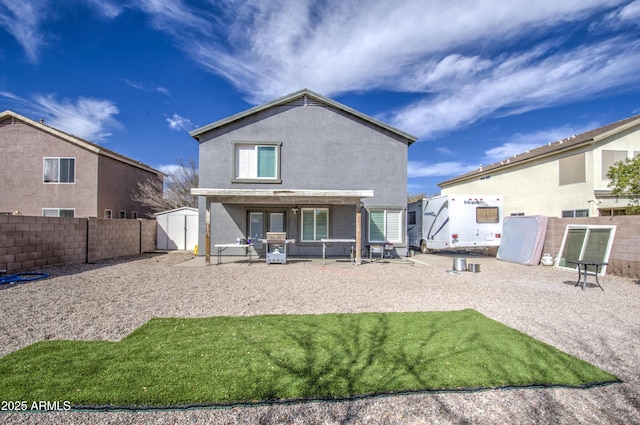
(207, 237)
(358, 233)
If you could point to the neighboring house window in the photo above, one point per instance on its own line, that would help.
(572, 169)
(609, 158)
(258, 162)
(315, 224)
(385, 226)
(59, 170)
(122, 214)
(108, 214)
(134, 215)
(575, 213)
(411, 218)
(58, 212)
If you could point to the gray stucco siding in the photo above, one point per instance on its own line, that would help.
(321, 148)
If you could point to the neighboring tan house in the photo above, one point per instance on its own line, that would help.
(567, 178)
(308, 166)
(46, 172)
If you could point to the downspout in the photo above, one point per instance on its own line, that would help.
(207, 237)
(359, 233)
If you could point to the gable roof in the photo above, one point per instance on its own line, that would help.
(587, 138)
(308, 97)
(97, 149)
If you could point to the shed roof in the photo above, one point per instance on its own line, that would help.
(97, 149)
(572, 142)
(306, 95)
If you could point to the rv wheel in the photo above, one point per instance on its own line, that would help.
(423, 247)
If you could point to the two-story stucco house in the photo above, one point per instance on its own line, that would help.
(47, 172)
(305, 165)
(566, 178)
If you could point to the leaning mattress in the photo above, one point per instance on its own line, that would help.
(522, 239)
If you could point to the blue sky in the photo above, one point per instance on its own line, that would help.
(475, 81)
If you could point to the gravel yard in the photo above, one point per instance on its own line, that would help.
(108, 300)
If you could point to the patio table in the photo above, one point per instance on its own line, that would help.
(223, 246)
(585, 264)
(326, 242)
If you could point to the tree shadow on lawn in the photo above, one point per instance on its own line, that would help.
(227, 361)
(358, 359)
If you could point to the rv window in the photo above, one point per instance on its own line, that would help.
(487, 215)
(411, 218)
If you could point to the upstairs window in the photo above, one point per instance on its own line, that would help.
(609, 158)
(59, 170)
(572, 169)
(258, 162)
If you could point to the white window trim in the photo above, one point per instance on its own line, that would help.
(314, 224)
(108, 213)
(58, 211)
(255, 179)
(398, 239)
(44, 160)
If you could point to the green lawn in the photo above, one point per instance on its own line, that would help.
(226, 360)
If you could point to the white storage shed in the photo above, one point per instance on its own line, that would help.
(177, 229)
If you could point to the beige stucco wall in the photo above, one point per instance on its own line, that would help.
(117, 182)
(533, 188)
(22, 150)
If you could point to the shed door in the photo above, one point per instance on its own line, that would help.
(176, 229)
(191, 232)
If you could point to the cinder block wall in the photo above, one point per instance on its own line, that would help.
(27, 243)
(30, 243)
(149, 235)
(625, 251)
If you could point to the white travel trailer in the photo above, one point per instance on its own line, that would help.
(455, 221)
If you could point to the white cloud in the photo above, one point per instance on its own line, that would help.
(458, 55)
(271, 48)
(88, 118)
(176, 122)
(521, 142)
(168, 168)
(22, 20)
(147, 87)
(525, 82)
(444, 150)
(106, 8)
(628, 14)
(427, 169)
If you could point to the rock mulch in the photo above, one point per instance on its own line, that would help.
(108, 300)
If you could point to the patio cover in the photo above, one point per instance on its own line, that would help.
(285, 196)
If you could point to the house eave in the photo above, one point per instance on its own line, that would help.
(74, 140)
(285, 196)
(493, 168)
(283, 100)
